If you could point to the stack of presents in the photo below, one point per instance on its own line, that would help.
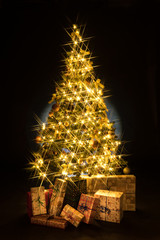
(87, 200)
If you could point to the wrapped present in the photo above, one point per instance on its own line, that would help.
(87, 206)
(127, 185)
(74, 190)
(72, 215)
(38, 201)
(57, 222)
(110, 206)
(120, 183)
(48, 194)
(57, 198)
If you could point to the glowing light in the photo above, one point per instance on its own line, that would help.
(80, 142)
(43, 126)
(80, 122)
(64, 173)
(100, 175)
(40, 161)
(111, 169)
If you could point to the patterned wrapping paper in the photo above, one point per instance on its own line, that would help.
(120, 183)
(110, 206)
(38, 201)
(57, 222)
(123, 183)
(87, 206)
(48, 194)
(127, 185)
(95, 183)
(72, 215)
(56, 201)
(129, 202)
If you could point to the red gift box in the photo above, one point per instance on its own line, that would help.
(87, 206)
(48, 194)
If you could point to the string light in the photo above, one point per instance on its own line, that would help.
(78, 135)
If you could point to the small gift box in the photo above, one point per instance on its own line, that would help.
(87, 206)
(110, 206)
(48, 194)
(57, 222)
(127, 185)
(38, 201)
(72, 215)
(57, 198)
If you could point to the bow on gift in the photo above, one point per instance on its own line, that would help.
(83, 207)
(55, 191)
(39, 201)
(105, 210)
(70, 217)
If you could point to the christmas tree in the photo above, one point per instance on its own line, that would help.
(78, 138)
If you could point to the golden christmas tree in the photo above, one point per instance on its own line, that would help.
(78, 139)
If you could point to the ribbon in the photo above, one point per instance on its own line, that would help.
(105, 210)
(70, 217)
(84, 207)
(39, 201)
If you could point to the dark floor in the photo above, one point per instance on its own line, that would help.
(139, 225)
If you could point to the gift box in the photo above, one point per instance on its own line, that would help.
(73, 192)
(48, 194)
(57, 222)
(110, 206)
(38, 201)
(127, 185)
(87, 206)
(120, 183)
(72, 215)
(57, 198)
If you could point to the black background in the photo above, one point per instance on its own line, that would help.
(126, 43)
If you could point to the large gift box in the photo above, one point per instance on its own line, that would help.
(87, 206)
(57, 198)
(57, 222)
(127, 185)
(72, 215)
(120, 183)
(48, 194)
(38, 201)
(110, 206)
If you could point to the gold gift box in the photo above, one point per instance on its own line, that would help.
(57, 198)
(38, 201)
(119, 183)
(110, 206)
(57, 222)
(72, 215)
(127, 185)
